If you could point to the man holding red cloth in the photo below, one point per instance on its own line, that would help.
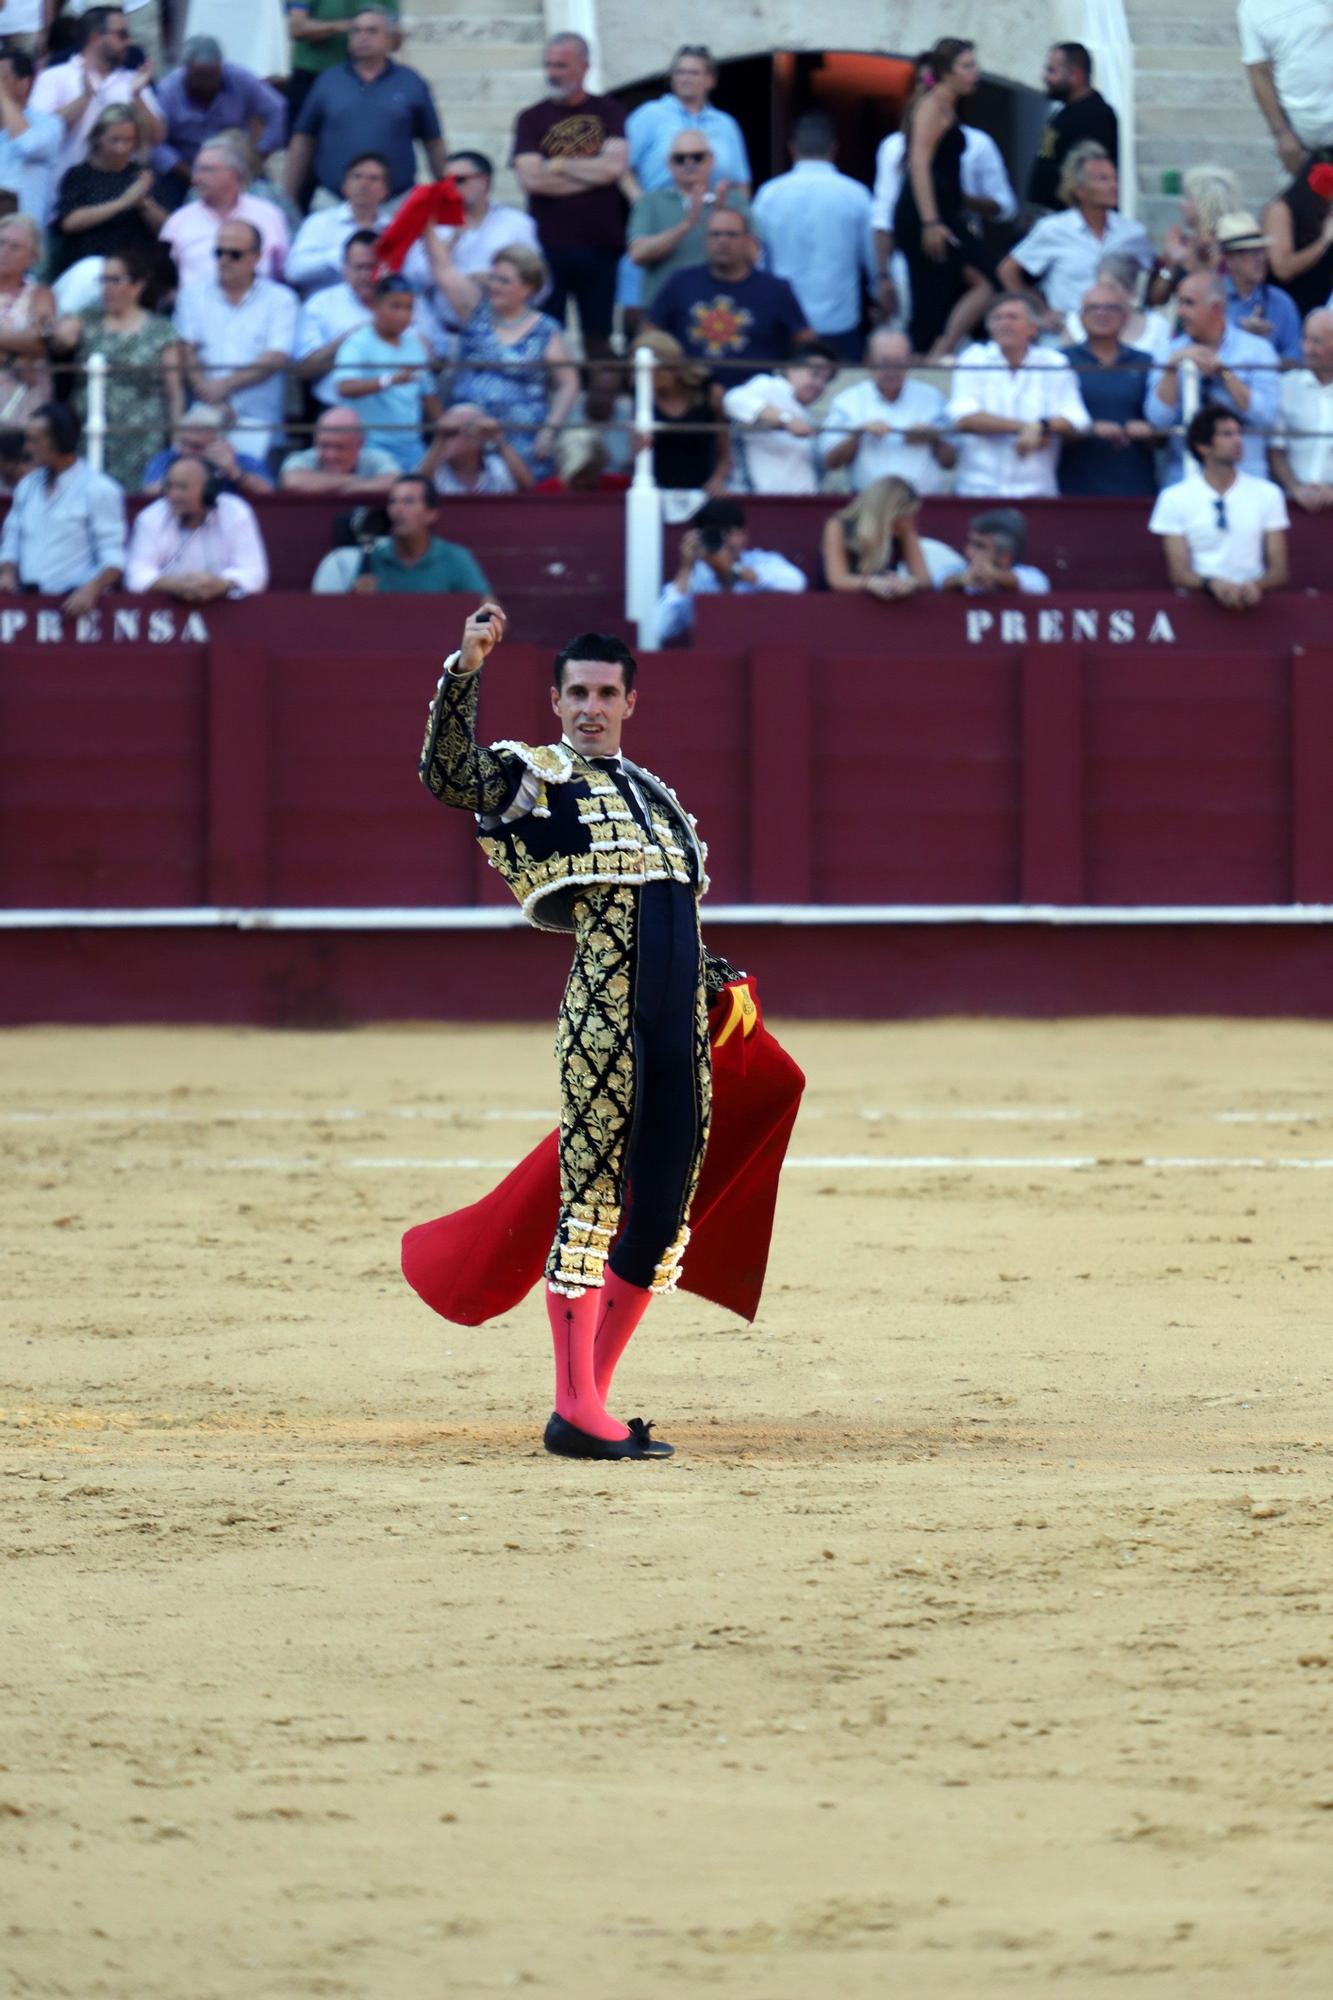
(596, 847)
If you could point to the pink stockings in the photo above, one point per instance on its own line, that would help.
(623, 1306)
(589, 1335)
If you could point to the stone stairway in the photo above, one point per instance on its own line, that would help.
(1194, 104)
(483, 60)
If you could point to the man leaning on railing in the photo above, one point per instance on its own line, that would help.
(64, 535)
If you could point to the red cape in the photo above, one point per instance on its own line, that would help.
(481, 1261)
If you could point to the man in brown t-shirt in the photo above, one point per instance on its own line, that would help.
(572, 162)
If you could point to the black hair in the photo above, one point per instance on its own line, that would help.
(478, 160)
(722, 514)
(814, 136)
(1077, 56)
(95, 20)
(392, 286)
(814, 349)
(1203, 427)
(13, 444)
(1004, 525)
(599, 646)
(62, 422)
(360, 159)
(361, 236)
(417, 479)
(20, 64)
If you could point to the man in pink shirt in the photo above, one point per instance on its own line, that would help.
(196, 543)
(191, 233)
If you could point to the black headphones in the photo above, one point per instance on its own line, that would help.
(216, 484)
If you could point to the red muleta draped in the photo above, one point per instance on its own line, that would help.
(482, 1261)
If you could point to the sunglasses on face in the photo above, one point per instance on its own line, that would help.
(687, 159)
(232, 255)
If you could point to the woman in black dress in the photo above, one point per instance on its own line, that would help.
(952, 273)
(106, 206)
(1299, 222)
(685, 454)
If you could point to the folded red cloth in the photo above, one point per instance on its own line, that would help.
(481, 1261)
(437, 203)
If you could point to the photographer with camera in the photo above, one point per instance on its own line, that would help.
(715, 555)
(198, 542)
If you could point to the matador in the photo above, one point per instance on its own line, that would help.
(596, 847)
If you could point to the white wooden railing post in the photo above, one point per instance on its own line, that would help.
(95, 428)
(643, 513)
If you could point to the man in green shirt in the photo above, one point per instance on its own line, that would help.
(318, 29)
(412, 558)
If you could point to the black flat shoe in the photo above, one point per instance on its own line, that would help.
(567, 1441)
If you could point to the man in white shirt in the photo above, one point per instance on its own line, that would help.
(240, 331)
(814, 224)
(1225, 534)
(995, 543)
(1060, 255)
(774, 442)
(79, 91)
(191, 234)
(30, 140)
(316, 256)
(196, 544)
(715, 555)
(1287, 48)
(890, 423)
(487, 226)
(1300, 456)
(987, 194)
(1012, 404)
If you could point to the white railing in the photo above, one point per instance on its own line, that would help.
(1105, 32)
(95, 427)
(643, 513)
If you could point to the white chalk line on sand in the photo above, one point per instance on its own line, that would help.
(348, 1114)
(926, 1163)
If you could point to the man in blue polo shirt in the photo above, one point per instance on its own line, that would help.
(366, 105)
(726, 313)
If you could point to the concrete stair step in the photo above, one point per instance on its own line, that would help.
(451, 31)
(509, 89)
(1208, 28)
(473, 58)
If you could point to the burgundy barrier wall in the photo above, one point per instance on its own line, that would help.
(263, 755)
(561, 559)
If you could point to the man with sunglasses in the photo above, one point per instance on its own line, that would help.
(240, 331)
(1226, 533)
(667, 224)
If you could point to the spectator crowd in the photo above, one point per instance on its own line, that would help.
(370, 323)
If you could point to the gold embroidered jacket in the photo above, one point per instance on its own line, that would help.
(561, 834)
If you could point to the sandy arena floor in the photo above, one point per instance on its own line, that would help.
(978, 1641)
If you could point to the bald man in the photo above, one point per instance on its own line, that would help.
(1238, 372)
(1301, 456)
(890, 422)
(340, 461)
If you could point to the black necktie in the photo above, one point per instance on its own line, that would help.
(615, 771)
